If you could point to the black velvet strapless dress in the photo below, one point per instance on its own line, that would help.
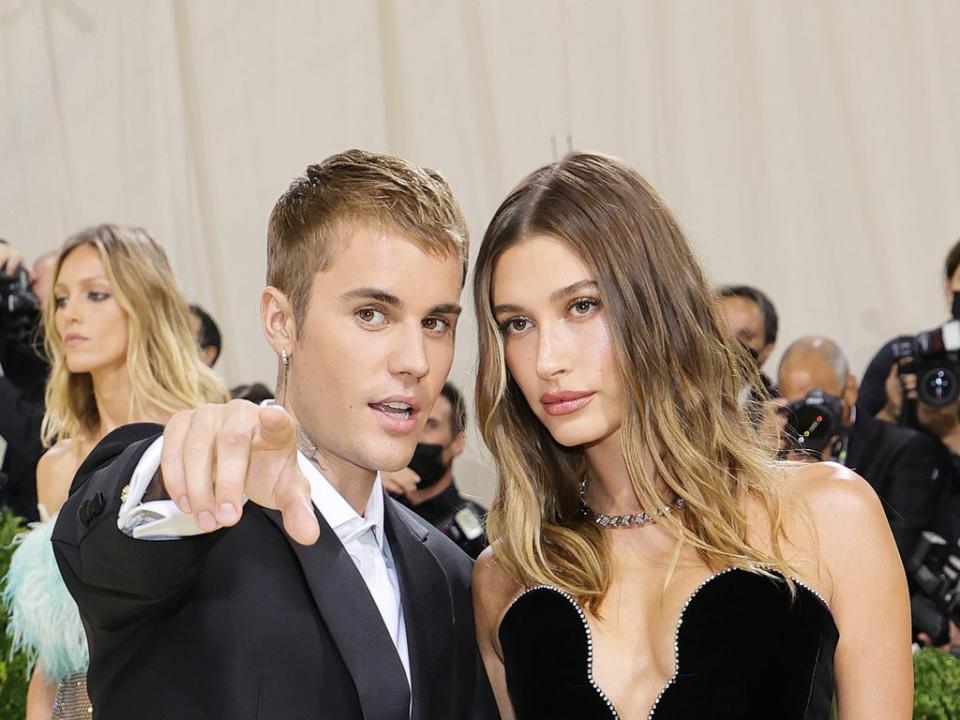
(743, 650)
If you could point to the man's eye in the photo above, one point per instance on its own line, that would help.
(371, 316)
(435, 324)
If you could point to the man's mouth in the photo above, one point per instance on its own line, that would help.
(398, 410)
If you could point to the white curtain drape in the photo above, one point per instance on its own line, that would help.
(810, 148)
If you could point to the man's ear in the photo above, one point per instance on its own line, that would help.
(851, 390)
(210, 355)
(276, 316)
(458, 444)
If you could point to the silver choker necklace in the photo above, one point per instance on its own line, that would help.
(623, 521)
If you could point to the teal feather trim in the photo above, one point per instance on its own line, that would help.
(44, 619)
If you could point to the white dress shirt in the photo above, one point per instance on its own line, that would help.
(363, 536)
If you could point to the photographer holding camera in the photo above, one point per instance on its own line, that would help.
(878, 391)
(908, 469)
(24, 375)
(824, 422)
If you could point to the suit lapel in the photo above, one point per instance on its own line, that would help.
(354, 622)
(427, 615)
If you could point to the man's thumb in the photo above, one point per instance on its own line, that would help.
(277, 429)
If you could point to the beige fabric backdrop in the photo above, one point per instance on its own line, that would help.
(811, 148)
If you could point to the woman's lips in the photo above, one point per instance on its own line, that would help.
(564, 403)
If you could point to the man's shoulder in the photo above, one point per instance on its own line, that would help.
(900, 437)
(883, 433)
(902, 449)
(451, 557)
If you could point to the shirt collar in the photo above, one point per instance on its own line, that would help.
(338, 513)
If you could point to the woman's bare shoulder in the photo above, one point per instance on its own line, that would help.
(831, 491)
(493, 587)
(833, 516)
(55, 472)
(62, 456)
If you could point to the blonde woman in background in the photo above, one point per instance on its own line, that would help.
(648, 559)
(121, 351)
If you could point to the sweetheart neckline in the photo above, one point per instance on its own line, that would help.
(676, 633)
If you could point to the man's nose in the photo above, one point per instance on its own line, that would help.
(409, 357)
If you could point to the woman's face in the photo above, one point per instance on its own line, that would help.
(558, 345)
(92, 325)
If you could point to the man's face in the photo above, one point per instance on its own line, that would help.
(951, 286)
(374, 348)
(209, 353)
(813, 372)
(808, 373)
(438, 429)
(745, 322)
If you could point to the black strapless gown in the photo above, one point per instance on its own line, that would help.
(743, 651)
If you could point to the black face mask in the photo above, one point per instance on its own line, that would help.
(428, 463)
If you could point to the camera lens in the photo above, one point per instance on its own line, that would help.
(810, 428)
(938, 386)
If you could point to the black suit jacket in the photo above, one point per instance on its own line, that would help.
(244, 623)
(906, 469)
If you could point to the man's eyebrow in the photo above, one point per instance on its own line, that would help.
(572, 288)
(446, 309)
(370, 293)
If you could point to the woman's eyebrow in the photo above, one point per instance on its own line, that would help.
(554, 296)
(506, 308)
(85, 281)
(572, 288)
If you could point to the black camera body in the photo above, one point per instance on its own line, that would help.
(934, 570)
(934, 357)
(812, 423)
(19, 308)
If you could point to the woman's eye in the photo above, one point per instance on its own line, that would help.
(98, 296)
(60, 301)
(515, 325)
(371, 316)
(583, 306)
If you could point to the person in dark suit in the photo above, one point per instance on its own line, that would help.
(247, 563)
(905, 467)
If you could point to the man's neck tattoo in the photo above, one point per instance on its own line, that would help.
(307, 446)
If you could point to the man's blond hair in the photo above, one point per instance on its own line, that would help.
(357, 188)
